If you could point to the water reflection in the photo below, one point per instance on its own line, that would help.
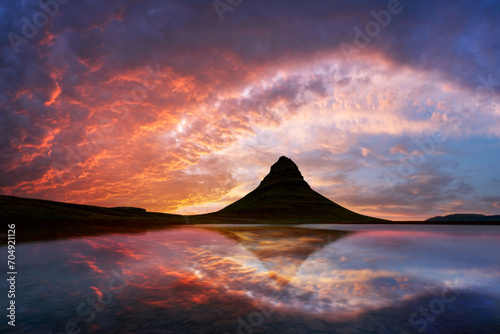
(261, 280)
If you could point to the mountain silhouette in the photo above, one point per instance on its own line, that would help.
(282, 197)
(465, 217)
(284, 194)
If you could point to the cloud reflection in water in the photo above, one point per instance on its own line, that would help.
(203, 279)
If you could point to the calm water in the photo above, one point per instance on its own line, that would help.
(237, 279)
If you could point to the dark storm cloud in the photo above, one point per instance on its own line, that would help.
(443, 36)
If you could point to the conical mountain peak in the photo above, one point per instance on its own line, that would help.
(284, 160)
(283, 171)
(284, 194)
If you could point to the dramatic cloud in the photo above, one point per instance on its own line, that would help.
(390, 108)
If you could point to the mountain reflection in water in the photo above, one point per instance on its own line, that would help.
(260, 279)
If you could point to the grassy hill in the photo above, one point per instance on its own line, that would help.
(27, 209)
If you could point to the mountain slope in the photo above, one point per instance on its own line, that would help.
(468, 217)
(282, 194)
(282, 197)
(18, 208)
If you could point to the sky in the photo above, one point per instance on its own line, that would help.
(389, 108)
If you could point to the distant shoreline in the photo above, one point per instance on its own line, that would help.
(196, 220)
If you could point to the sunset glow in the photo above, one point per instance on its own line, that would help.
(165, 106)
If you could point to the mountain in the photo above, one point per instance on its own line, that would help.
(465, 217)
(29, 209)
(282, 197)
(283, 194)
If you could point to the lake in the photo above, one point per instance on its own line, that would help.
(262, 279)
